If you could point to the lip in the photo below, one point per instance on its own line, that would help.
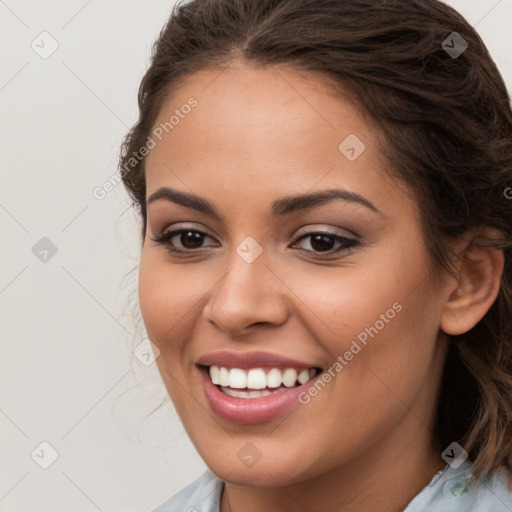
(246, 360)
(251, 410)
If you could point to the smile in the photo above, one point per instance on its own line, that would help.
(258, 382)
(254, 395)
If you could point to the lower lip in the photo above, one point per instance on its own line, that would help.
(251, 410)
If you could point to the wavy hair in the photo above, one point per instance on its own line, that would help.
(446, 129)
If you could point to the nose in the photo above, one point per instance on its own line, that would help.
(248, 294)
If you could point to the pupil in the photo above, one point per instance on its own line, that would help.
(191, 239)
(322, 242)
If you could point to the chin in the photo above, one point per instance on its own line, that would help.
(270, 472)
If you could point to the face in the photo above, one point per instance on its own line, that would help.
(245, 275)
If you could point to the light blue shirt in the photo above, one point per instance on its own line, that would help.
(450, 490)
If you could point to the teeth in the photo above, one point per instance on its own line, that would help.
(224, 377)
(289, 377)
(258, 379)
(250, 394)
(274, 379)
(237, 378)
(304, 376)
(214, 374)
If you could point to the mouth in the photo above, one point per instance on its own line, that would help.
(254, 395)
(251, 383)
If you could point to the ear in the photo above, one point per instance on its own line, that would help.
(479, 272)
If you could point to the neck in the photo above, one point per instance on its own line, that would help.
(385, 480)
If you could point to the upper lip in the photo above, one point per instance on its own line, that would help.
(230, 359)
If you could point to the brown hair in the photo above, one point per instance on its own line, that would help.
(447, 130)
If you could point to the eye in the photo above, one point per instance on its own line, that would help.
(325, 242)
(187, 240)
(182, 240)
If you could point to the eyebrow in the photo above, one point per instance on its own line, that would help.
(279, 207)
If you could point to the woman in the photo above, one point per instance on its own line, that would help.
(326, 254)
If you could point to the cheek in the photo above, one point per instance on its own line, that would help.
(167, 296)
(385, 318)
(341, 302)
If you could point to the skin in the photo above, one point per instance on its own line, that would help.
(364, 442)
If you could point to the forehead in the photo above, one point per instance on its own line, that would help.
(260, 132)
(244, 108)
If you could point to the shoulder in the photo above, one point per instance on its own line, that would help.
(453, 490)
(202, 495)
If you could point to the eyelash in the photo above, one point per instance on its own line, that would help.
(347, 244)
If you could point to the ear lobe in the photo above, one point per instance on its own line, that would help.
(479, 273)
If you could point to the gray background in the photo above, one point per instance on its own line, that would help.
(68, 376)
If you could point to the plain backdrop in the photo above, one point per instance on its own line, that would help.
(77, 433)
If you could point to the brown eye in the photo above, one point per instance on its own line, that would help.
(326, 242)
(182, 240)
(190, 239)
